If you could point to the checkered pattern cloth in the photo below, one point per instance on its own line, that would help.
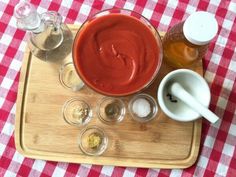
(217, 152)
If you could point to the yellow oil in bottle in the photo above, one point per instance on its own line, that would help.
(187, 42)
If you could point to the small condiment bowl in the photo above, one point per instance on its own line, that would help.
(191, 82)
(93, 141)
(143, 108)
(111, 110)
(76, 112)
(69, 78)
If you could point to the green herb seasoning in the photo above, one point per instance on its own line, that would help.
(112, 110)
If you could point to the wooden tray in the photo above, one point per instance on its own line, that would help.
(42, 133)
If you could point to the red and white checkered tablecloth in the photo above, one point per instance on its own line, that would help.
(218, 144)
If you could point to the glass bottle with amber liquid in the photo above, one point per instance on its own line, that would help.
(187, 42)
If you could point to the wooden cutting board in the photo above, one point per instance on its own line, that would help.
(41, 132)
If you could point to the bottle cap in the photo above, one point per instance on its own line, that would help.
(200, 28)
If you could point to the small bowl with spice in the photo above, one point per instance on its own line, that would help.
(76, 112)
(111, 110)
(69, 78)
(143, 108)
(93, 141)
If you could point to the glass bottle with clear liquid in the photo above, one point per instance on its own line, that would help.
(49, 39)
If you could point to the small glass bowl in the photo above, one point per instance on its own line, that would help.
(76, 112)
(111, 110)
(93, 141)
(69, 78)
(143, 108)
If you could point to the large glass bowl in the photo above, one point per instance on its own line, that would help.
(155, 69)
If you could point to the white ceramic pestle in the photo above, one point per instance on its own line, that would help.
(178, 91)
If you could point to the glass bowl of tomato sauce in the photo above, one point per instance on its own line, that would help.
(117, 52)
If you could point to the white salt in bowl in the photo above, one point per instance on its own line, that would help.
(194, 84)
(143, 108)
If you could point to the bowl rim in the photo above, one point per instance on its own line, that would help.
(160, 93)
(158, 41)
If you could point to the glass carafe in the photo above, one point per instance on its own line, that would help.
(48, 38)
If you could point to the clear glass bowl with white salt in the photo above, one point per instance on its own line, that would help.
(143, 108)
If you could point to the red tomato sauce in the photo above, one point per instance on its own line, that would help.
(116, 54)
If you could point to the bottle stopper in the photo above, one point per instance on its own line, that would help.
(27, 16)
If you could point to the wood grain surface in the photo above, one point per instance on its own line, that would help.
(42, 133)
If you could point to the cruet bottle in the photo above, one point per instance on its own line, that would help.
(48, 38)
